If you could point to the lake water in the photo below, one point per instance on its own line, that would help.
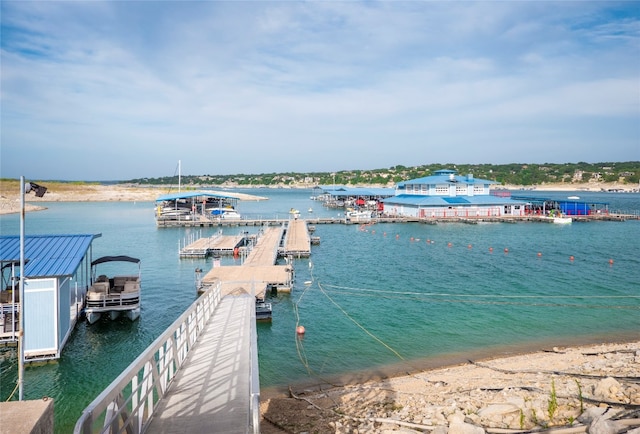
(385, 296)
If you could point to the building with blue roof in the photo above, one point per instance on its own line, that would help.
(446, 194)
(57, 273)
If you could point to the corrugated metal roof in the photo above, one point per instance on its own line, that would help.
(190, 194)
(446, 177)
(47, 255)
(358, 191)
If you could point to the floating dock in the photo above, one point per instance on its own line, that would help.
(259, 272)
(215, 245)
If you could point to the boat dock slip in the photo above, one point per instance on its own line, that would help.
(214, 245)
(212, 390)
(297, 239)
(265, 251)
(258, 271)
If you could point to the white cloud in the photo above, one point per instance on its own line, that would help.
(258, 86)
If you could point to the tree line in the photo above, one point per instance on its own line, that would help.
(505, 174)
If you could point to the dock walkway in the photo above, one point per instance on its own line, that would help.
(258, 271)
(214, 245)
(297, 241)
(212, 390)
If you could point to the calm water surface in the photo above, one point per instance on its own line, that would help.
(380, 295)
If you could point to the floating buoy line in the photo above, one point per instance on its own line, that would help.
(498, 299)
(435, 297)
(300, 330)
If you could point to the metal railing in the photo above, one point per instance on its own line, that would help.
(128, 403)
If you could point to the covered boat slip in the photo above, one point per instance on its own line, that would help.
(193, 206)
(56, 278)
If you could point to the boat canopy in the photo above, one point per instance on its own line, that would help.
(189, 195)
(121, 258)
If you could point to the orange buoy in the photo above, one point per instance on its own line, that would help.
(384, 234)
(491, 249)
(571, 258)
(539, 254)
(397, 236)
(300, 330)
(610, 261)
(449, 244)
(506, 250)
(411, 239)
(469, 246)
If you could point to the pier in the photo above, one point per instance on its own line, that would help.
(217, 244)
(201, 375)
(259, 270)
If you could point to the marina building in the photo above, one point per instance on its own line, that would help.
(56, 278)
(445, 194)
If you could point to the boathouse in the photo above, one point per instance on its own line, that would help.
(57, 273)
(445, 194)
(193, 205)
(338, 196)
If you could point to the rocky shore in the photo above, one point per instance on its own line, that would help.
(594, 389)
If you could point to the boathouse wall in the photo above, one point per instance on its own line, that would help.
(40, 314)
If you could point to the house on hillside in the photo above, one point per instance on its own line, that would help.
(445, 194)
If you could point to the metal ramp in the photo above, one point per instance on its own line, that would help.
(200, 375)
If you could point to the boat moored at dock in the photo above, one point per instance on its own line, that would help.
(113, 296)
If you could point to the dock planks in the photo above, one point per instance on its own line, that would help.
(211, 392)
(217, 244)
(298, 241)
(258, 272)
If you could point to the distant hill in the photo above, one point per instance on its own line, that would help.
(506, 174)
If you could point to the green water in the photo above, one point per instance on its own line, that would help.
(379, 295)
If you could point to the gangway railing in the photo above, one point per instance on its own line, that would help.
(128, 403)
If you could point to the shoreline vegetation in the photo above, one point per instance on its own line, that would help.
(95, 192)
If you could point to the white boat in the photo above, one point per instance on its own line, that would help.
(226, 213)
(562, 220)
(359, 216)
(263, 310)
(115, 295)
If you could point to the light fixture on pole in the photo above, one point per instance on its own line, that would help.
(39, 191)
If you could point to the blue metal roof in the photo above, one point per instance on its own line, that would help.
(446, 177)
(47, 255)
(190, 194)
(341, 190)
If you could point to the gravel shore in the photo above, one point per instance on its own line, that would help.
(10, 198)
(593, 388)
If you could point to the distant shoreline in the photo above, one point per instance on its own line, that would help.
(61, 192)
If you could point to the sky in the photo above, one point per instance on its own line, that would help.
(120, 90)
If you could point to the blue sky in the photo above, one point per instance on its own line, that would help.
(121, 90)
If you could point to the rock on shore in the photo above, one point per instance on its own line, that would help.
(592, 389)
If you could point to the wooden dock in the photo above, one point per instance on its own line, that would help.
(297, 240)
(213, 245)
(258, 272)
